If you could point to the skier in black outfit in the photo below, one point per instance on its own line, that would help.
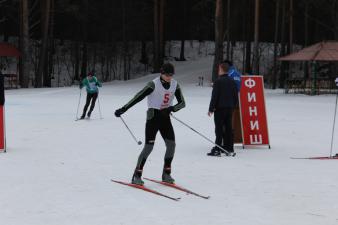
(223, 101)
(160, 93)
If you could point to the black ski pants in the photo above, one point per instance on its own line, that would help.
(159, 121)
(91, 97)
(223, 128)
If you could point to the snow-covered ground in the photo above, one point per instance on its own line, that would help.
(57, 171)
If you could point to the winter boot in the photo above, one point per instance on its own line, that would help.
(228, 149)
(137, 178)
(214, 152)
(166, 176)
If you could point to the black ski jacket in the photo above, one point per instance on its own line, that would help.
(224, 94)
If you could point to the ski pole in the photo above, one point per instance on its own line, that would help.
(98, 100)
(334, 122)
(78, 105)
(225, 151)
(138, 142)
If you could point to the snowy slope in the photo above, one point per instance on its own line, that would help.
(57, 171)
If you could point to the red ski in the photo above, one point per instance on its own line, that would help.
(319, 157)
(178, 188)
(145, 189)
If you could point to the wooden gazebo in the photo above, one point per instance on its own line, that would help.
(325, 51)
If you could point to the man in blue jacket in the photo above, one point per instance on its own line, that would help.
(224, 99)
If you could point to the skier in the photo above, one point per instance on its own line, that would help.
(223, 101)
(160, 93)
(92, 85)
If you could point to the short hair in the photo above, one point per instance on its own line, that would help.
(227, 62)
(225, 65)
(167, 68)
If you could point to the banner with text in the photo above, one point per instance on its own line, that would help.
(253, 113)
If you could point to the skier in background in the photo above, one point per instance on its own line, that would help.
(91, 83)
(160, 93)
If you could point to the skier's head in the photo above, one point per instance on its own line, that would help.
(167, 69)
(224, 66)
(90, 75)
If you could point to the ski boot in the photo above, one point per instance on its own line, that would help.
(214, 152)
(82, 117)
(137, 178)
(166, 176)
(89, 114)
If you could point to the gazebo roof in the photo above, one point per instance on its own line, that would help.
(9, 50)
(322, 51)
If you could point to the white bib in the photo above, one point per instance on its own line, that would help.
(161, 98)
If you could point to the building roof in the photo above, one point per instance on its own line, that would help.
(9, 50)
(322, 51)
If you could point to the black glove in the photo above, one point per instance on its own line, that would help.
(119, 112)
(167, 111)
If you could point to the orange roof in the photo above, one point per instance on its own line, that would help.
(322, 51)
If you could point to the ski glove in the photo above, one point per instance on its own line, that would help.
(119, 112)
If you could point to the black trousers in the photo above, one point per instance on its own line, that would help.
(223, 128)
(91, 97)
(159, 122)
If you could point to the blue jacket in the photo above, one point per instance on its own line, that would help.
(236, 76)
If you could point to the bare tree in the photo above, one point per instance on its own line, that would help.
(156, 37)
(291, 27)
(44, 42)
(158, 34)
(306, 39)
(161, 29)
(184, 27)
(49, 66)
(275, 50)
(85, 39)
(282, 52)
(24, 44)
(256, 39)
(228, 28)
(125, 41)
(219, 35)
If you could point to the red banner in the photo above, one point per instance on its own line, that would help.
(2, 129)
(253, 113)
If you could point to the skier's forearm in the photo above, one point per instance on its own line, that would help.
(180, 100)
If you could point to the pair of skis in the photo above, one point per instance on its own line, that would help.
(319, 157)
(144, 188)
